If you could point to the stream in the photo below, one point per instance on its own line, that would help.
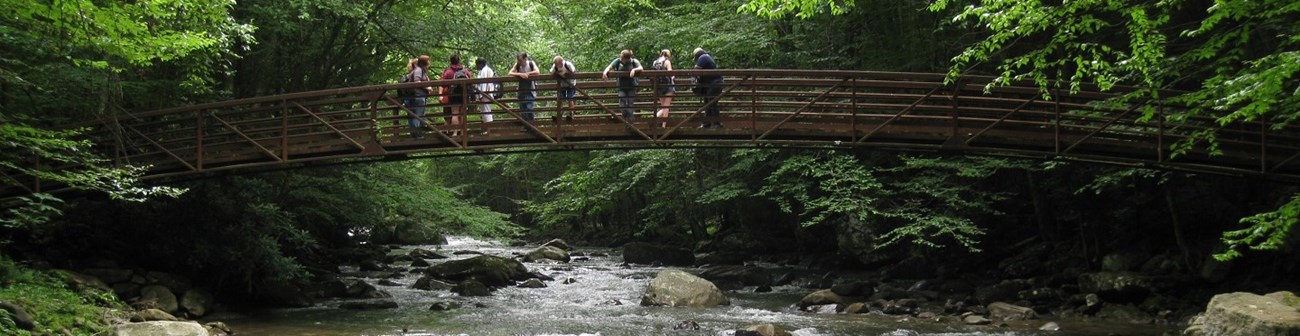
(604, 300)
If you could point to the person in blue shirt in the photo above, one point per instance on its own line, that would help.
(626, 85)
(708, 87)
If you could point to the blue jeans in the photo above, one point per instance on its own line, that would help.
(626, 101)
(526, 104)
(416, 105)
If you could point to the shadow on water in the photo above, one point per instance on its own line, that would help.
(604, 300)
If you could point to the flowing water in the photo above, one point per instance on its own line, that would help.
(604, 300)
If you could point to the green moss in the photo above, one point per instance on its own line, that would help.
(52, 303)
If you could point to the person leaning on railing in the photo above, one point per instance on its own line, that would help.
(708, 88)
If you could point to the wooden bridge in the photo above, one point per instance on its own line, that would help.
(760, 108)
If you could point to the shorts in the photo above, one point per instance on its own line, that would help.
(568, 93)
(665, 90)
(456, 100)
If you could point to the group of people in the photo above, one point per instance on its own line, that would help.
(453, 97)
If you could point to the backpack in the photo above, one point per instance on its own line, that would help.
(407, 78)
(659, 65)
(459, 89)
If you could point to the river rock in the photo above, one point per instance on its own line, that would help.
(1123, 312)
(547, 253)
(21, 318)
(360, 289)
(823, 309)
(152, 314)
(765, 329)
(1119, 287)
(676, 288)
(1050, 326)
(369, 305)
(1248, 314)
(856, 308)
(976, 320)
(532, 283)
(647, 253)
(489, 270)
(420, 253)
(472, 287)
(443, 306)
(218, 328)
(161, 328)
(197, 302)
(159, 297)
(735, 274)
(126, 289)
(558, 243)
(820, 297)
(1008, 312)
(370, 266)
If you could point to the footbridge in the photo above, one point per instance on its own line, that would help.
(759, 108)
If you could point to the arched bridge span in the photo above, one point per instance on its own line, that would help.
(767, 107)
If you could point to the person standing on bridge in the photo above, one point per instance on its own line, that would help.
(708, 87)
(524, 68)
(486, 92)
(626, 85)
(666, 85)
(417, 101)
(564, 71)
(455, 93)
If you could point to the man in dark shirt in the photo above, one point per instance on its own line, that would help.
(708, 87)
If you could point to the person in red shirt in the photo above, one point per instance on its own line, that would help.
(455, 93)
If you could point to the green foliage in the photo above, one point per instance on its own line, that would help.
(52, 303)
(802, 9)
(1267, 231)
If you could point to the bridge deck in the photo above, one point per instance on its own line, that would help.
(760, 108)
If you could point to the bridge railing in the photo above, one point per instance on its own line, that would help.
(760, 107)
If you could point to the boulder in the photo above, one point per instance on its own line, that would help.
(420, 253)
(176, 283)
(547, 253)
(370, 266)
(152, 314)
(443, 306)
(126, 289)
(855, 288)
(217, 328)
(110, 275)
(1008, 312)
(743, 275)
(472, 287)
(197, 302)
(1248, 314)
(856, 308)
(78, 280)
(21, 318)
(1050, 326)
(532, 283)
(418, 262)
(558, 243)
(159, 297)
(647, 253)
(820, 297)
(489, 270)
(161, 328)
(1119, 287)
(680, 289)
(765, 329)
(369, 305)
(359, 289)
